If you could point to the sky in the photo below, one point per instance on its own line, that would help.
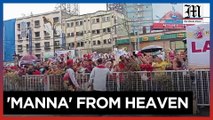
(16, 10)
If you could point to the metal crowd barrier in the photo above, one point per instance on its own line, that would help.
(181, 80)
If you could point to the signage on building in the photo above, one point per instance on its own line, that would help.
(167, 16)
(198, 46)
(154, 37)
(164, 26)
(23, 29)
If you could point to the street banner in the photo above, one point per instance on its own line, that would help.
(48, 55)
(48, 28)
(30, 41)
(198, 46)
(23, 29)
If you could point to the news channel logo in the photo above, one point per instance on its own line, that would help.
(192, 13)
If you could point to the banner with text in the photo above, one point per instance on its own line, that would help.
(198, 46)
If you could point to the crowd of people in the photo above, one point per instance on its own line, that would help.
(99, 66)
(139, 61)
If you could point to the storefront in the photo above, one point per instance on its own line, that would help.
(166, 40)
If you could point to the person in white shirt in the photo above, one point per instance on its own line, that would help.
(98, 76)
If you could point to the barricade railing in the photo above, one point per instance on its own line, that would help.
(180, 80)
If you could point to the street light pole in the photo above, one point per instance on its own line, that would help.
(53, 29)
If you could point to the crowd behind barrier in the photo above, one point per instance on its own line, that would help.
(162, 71)
(170, 80)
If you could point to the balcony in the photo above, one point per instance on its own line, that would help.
(20, 40)
(47, 48)
(47, 37)
(38, 38)
(56, 36)
(20, 50)
(37, 48)
(57, 47)
(37, 26)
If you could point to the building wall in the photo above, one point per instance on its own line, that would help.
(9, 40)
(94, 31)
(22, 44)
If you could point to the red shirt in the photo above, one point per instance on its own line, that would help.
(36, 72)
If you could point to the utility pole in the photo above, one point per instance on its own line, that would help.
(30, 35)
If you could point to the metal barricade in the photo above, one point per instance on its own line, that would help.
(202, 88)
(181, 80)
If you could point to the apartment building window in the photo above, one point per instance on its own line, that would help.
(37, 45)
(81, 22)
(77, 23)
(82, 44)
(71, 24)
(82, 33)
(108, 30)
(97, 20)
(27, 36)
(98, 31)
(93, 21)
(57, 43)
(47, 44)
(106, 19)
(68, 34)
(28, 24)
(38, 56)
(104, 30)
(19, 47)
(46, 33)
(18, 27)
(37, 34)
(77, 33)
(56, 19)
(19, 37)
(99, 42)
(78, 45)
(72, 34)
(109, 41)
(27, 47)
(105, 41)
(93, 31)
(68, 25)
(73, 44)
(94, 42)
(37, 23)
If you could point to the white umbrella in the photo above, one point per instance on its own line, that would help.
(151, 48)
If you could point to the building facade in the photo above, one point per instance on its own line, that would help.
(43, 38)
(95, 31)
(9, 40)
(139, 14)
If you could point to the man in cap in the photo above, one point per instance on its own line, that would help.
(69, 77)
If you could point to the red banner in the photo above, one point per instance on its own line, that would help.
(162, 26)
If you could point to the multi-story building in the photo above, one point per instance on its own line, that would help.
(95, 31)
(139, 14)
(42, 40)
